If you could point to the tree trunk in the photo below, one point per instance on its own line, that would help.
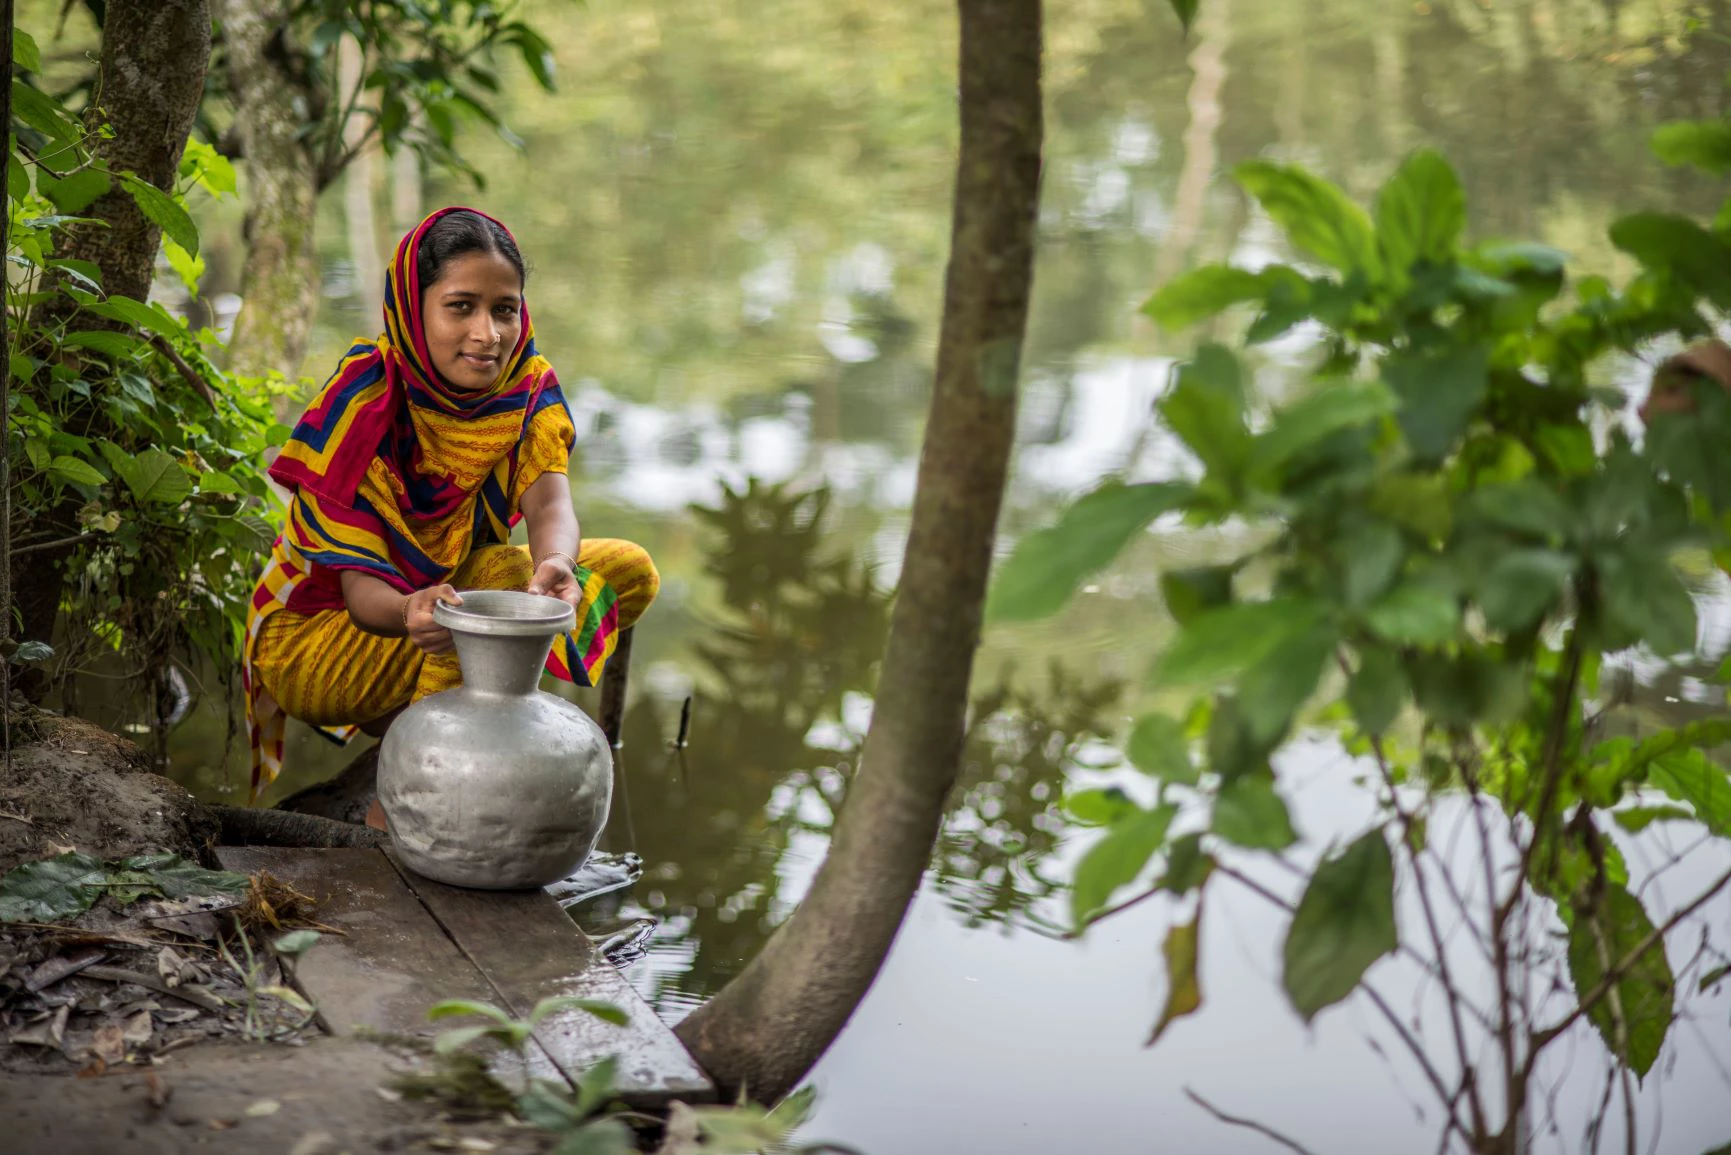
(766, 1028)
(358, 196)
(6, 426)
(279, 280)
(151, 79)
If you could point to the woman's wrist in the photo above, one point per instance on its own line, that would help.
(557, 555)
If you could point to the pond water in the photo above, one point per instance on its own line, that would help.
(737, 216)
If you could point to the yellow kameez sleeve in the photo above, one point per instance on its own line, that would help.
(546, 448)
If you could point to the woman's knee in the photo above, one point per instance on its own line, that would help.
(628, 568)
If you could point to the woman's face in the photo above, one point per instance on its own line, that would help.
(472, 315)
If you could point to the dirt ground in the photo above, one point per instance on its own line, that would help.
(326, 1097)
(75, 786)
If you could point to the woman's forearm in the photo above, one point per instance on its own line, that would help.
(373, 606)
(550, 517)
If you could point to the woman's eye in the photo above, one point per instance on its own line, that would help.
(460, 306)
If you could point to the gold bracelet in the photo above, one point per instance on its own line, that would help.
(558, 553)
(406, 614)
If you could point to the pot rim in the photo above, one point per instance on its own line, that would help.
(506, 614)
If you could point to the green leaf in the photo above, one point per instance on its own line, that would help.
(1183, 987)
(1377, 689)
(1187, 866)
(216, 482)
(1369, 553)
(1419, 612)
(596, 1085)
(1335, 407)
(43, 113)
(51, 888)
(1273, 689)
(1317, 216)
(1644, 595)
(1205, 408)
(1158, 748)
(178, 878)
(1702, 144)
(1202, 293)
(26, 57)
(1691, 777)
(1098, 807)
(296, 942)
(1185, 10)
(605, 1011)
(1421, 212)
(546, 1105)
(17, 180)
(1637, 818)
(74, 471)
(1602, 938)
(1117, 859)
(451, 1008)
(76, 191)
(163, 211)
(1461, 690)
(1526, 507)
(151, 318)
(104, 341)
(153, 476)
(457, 1038)
(1222, 642)
(1676, 244)
(1521, 586)
(1250, 814)
(1439, 392)
(1343, 924)
(1191, 592)
(1047, 565)
(598, 1137)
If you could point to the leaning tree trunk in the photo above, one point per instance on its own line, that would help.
(151, 79)
(5, 424)
(766, 1028)
(279, 279)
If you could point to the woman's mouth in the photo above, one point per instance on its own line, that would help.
(479, 360)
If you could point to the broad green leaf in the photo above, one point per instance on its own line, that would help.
(1183, 988)
(1317, 216)
(51, 888)
(1691, 777)
(596, 1085)
(26, 57)
(44, 114)
(1637, 1011)
(1369, 553)
(1421, 212)
(1377, 689)
(17, 180)
(296, 942)
(605, 1011)
(1439, 392)
(548, 1106)
(153, 476)
(1522, 584)
(178, 878)
(213, 171)
(1157, 747)
(1205, 408)
(1527, 507)
(1690, 447)
(1458, 690)
(1249, 813)
(216, 482)
(1273, 689)
(1420, 502)
(1117, 859)
(76, 191)
(1224, 641)
(163, 211)
(74, 471)
(139, 315)
(1333, 408)
(1100, 807)
(104, 341)
(1202, 293)
(1702, 144)
(1418, 612)
(1191, 592)
(1644, 595)
(451, 1008)
(1678, 245)
(1343, 924)
(188, 268)
(1047, 565)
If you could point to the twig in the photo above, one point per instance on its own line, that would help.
(197, 996)
(25, 819)
(54, 544)
(199, 384)
(1249, 1124)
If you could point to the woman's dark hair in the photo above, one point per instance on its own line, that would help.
(461, 232)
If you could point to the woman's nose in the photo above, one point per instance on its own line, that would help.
(486, 332)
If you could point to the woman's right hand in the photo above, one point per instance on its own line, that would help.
(426, 633)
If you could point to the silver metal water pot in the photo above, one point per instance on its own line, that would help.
(496, 784)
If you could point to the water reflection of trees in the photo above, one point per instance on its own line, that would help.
(724, 823)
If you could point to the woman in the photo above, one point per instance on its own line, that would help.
(407, 473)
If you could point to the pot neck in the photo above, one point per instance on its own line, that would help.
(501, 665)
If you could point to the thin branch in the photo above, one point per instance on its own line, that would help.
(1253, 886)
(1108, 912)
(1412, 1045)
(1249, 1124)
(55, 544)
(199, 384)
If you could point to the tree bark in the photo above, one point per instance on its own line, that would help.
(6, 423)
(150, 80)
(279, 280)
(766, 1028)
(245, 826)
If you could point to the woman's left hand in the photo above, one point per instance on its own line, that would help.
(553, 578)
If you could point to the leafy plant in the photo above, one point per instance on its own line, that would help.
(70, 883)
(1443, 544)
(262, 1018)
(137, 464)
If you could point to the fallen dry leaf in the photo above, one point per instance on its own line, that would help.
(109, 1042)
(60, 967)
(138, 1029)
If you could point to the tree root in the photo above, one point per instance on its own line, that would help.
(345, 798)
(243, 826)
